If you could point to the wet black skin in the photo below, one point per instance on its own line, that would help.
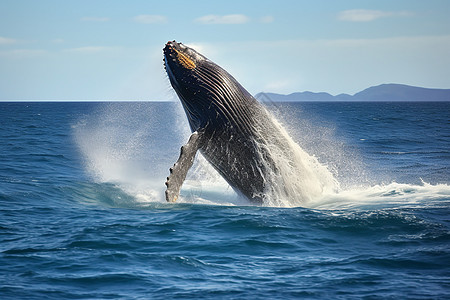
(224, 114)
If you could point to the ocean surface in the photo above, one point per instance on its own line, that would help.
(83, 215)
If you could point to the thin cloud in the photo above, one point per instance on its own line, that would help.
(7, 41)
(95, 19)
(226, 19)
(150, 19)
(23, 53)
(267, 19)
(368, 15)
(88, 49)
(280, 85)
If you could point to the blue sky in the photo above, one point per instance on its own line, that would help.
(112, 50)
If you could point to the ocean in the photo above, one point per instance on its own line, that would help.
(83, 215)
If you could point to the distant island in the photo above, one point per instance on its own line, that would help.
(383, 92)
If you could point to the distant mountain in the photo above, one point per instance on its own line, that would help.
(384, 92)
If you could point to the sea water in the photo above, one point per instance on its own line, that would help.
(83, 216)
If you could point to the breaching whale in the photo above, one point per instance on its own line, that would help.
(233, 131)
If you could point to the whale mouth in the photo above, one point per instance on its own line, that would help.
(178, 65)
(176, 53)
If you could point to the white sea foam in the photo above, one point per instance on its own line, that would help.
(393, 195)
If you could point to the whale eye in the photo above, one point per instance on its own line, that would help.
(184, 60)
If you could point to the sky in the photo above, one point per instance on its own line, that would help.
(112, 50)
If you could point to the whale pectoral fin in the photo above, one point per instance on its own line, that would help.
(181, 167)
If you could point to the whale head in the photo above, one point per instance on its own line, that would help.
(207, 92)
(181, 64)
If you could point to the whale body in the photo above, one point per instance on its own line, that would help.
(233, 131)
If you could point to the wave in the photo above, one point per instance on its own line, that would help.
(207, 192)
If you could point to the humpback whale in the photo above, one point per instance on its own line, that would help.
(234, 132)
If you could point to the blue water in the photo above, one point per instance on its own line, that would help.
(82, 211)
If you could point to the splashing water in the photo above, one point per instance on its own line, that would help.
(132, 146)
(122, 144)
(298, 178)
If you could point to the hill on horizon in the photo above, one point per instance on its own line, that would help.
(383, 92)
